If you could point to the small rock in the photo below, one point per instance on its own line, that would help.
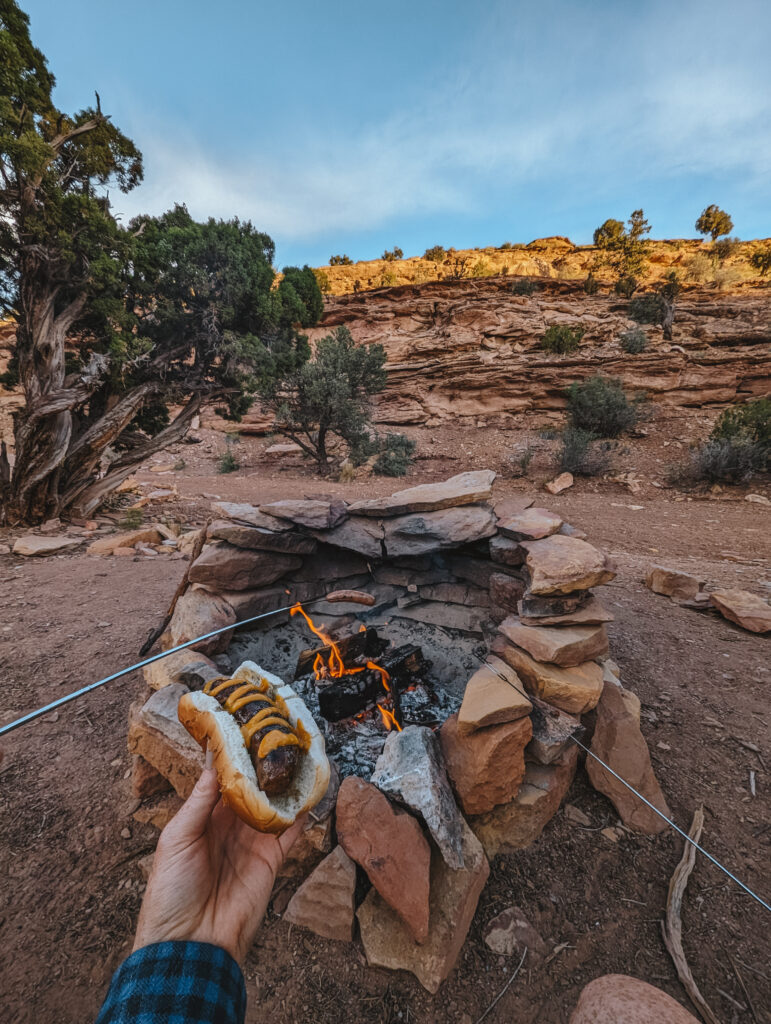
(506, 551)
(614, 998)
(591, 613)
(189, 667)
(530, 524)
(324, 903)
(164, 467)
(560, 565)
(410, 770)
(311, 512)
(146, 780)
(552, 733)
(757, 499)
(610, 834)
(51, 526)
(673, 583)
(510, 932)
(740, 606)
(127, 539)
(505, 591)
(389, 844)
(5, 549)
(157, 735)
(125, 833)
(36, 546)
(486, 767)
(576, 816)
(559, 483)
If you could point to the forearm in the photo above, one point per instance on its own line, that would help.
(190, 982)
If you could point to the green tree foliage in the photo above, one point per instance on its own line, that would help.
(761, 260)
(115, 324)
(340, 261)
(633, 341)
(599, 406)
(623, 248)
(561, 339)
(436, 253)
(328, 396)
(393, 254)
(714, 222)
(396, 455)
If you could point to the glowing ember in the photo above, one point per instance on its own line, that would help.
(336, 668)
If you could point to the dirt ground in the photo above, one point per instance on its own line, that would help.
(70, 848)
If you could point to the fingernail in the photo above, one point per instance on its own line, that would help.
(209, 761)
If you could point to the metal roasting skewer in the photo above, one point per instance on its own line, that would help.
(276, 611)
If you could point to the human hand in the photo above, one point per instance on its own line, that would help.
(212, 875)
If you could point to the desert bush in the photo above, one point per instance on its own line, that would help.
(347, 472)
(719, 461)
(520, 461)
(699, 269)
(322, 280)
(436, 253)
(625, 286)
(750, 422)
(600, 407)
(727, 277)
(507, 245)
(523, 286)
(761, 260)
(633, 341)
(482, 268)
(228, 462)
(647, 309)
(561, 339)
(133, 519)
(340, 261)
(388, 279)
(393, 254)
(591, 284)
(396, 455)
(723, 248)
(582, 453)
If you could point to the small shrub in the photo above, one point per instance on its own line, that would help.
(723, 461)
(523, 286)
(727, 277)
(750, 422)
(633, 341)
(228, 463)
(699, 269)
(625, 286)
(388, 279)
(761, 260)
(481, 268)
(591, 284)
(600, 407)
(723, 248)
(132, 519)
(549, 433)
(322, 280)
(436, 253)
(647, 309)
(393, 254)
(582, 454)
(560, 339)
(340, 261)
(347, 472)
(520, 462)
(395, 457)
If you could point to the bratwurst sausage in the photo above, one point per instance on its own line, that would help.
(272, 742)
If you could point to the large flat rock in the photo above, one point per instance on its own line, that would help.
(454, 897)
(356, 534)
(422, 532)
(324, 903)
(486, 767)
(560, 565)
(126, 539)
(561, 645)
(225, 567)
(591, 613)
(463, 489)
(745, 609)
(530, 524)
(314, 513)
(257, 538)
(493, 695)
(34, 545)
(390, 846)
(576, 689)
(618, 741)
(197, 613)
(250, 515)
(156, 734)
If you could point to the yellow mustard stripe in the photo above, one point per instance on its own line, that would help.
(222, 684)
(255, 724)
(276, 739)
(243, 701)
(242, 691)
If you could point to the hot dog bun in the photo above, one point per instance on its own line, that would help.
(215, 729)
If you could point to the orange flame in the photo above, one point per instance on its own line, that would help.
(336, 668)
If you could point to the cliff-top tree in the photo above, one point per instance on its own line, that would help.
(714, 222)
(623, 249)
(114, 324)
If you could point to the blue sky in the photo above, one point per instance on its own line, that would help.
(352, 127)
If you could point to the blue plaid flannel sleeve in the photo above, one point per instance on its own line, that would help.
(176, 983)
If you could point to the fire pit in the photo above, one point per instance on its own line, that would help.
(448, 702)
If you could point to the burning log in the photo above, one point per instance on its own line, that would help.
(344, 696)
(364, 645)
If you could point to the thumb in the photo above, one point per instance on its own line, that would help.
(190, 821)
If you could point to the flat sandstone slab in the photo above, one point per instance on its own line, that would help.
(454, 898)
(575, 690)
(324, 903)
(464, 489)
(33, 545)
(672, 583)
(745, 609)
(311, 512)
(590, 614)
(493, 695)
(560, 565)
(531, 524)
(560, 645)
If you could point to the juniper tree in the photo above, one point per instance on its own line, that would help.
(115, 323)
(714, 222)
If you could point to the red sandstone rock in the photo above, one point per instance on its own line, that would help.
(390, 846)
(463, 489)
(559, 645)
(589, 614)
(576, 689)
(486, 767)
(560, 565)
(745, 609)
(454, 897)
(324, 903)
(310, 512)
(156, 734)
(494, 694)
(146, 780)
(618, 741)
(619, 999)
(672, 583)
(226, 567)
(197, 613)
(506, 591)
(530, 524)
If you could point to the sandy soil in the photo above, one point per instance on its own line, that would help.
(70, 848)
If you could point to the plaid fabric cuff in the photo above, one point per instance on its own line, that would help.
(176, 983)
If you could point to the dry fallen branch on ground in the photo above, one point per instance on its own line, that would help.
(672, 927)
